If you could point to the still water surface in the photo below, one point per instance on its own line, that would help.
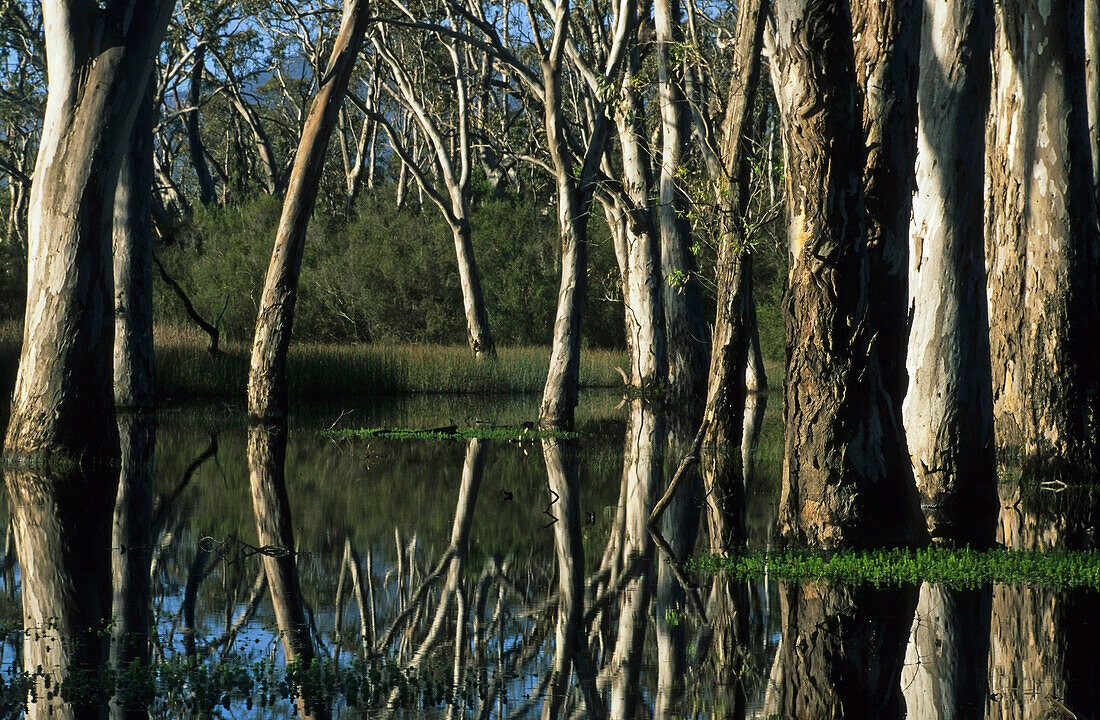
(485, 579)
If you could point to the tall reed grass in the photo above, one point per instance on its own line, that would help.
(185, 369)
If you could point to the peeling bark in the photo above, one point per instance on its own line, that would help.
(948, 410)
(100, 60)
(1041, 236)
(846, 477)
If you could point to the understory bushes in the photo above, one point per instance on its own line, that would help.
(383, 274)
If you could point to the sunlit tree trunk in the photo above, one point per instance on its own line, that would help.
(846, 479)
(949, 406)
(267, 380)
(1041, 237)
(1092, 87)
(99, 64)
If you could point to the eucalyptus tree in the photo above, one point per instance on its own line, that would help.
(22, 105)
(443, 113)
(99, 61)
(1041, 234)
(948, 409)
(846, 478)
(267, 379)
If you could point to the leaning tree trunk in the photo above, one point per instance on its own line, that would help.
(886, 40)
(473, 299)
(1041, 238)
(846, 479)
(267, 378)
(949, 407)
(99, 66)
(1092, 88)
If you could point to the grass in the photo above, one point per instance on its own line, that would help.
(481, 432)
(956, 568)
(186, 370)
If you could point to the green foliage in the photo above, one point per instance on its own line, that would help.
(383, 273)
(956, 568)
(523, 433)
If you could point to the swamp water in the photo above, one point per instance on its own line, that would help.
(460, 578)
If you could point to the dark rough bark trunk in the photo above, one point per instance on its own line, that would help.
(99, 68)
(135, 383)
(1041, 237)
(208, 193)
(63, 538)
(886, 40)
(945, 675)
(842, 650)
(846, 479)
(949, 406)
(267, 381)
(131, 547)
(275, 529)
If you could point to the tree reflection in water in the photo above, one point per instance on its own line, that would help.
(590, 620)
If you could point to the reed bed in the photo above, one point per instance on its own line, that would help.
(185, 369)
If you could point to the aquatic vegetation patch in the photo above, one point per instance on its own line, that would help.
(963, 568)
(524, 432)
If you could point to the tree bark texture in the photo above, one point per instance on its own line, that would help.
(473, 299)
(685, 330)
(275, 530)
(842, 650)
(948, 409)
(1092, 88)
(721, 460)
(135, 382)
(1041, 237)
(267, 379)
(886, 38)
(63, 538)
(846, 478)
(99, 64)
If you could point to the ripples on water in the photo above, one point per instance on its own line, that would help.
(478, 579)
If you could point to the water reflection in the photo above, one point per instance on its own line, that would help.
(487, 579)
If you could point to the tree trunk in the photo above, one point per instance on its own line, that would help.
(1041, 242)
(1092, 88)
(267, 379)
(887, 42)
(208, 194)
(135, 383)
(685, 329)
(846, 479)
(473, 300)
(721, 460)
(99, 68)
(949, 406)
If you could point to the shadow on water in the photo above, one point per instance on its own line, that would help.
(271, 572)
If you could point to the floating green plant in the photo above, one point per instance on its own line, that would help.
(956, 568)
